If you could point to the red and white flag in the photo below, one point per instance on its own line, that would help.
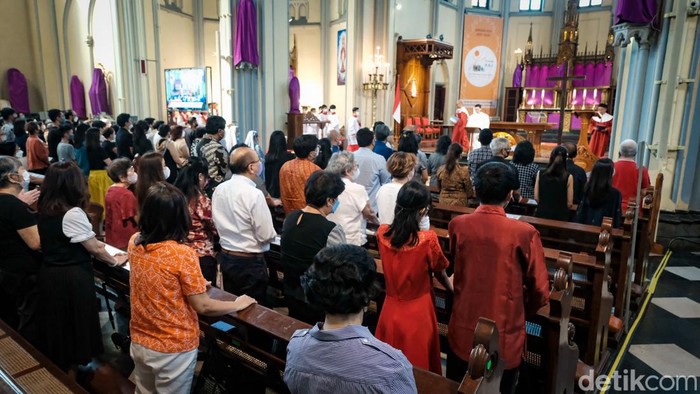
(397, 102)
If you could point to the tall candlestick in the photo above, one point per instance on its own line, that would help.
(524, 97)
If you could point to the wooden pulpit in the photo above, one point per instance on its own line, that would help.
(584, 157)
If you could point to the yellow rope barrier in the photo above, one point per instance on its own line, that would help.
(642, 310)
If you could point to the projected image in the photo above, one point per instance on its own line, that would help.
(186, 88)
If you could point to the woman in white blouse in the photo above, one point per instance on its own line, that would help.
(401, 166)
(353, 209)
(68, 313)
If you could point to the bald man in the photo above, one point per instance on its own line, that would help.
(244, 223)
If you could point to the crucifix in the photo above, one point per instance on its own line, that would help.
(565, 80)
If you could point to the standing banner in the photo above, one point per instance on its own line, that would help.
(481, 51)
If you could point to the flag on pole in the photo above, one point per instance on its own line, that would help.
(397, 102)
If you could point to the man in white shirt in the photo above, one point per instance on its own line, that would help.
(333, 119)
(478, 119)
(244, 224)
(372, 166)
(352, 129)
(323, 117)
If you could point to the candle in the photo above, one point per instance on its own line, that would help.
(532, 99)
(524, 97)
(595, 95)
(585, 93)
(541, 98)
(573, 99)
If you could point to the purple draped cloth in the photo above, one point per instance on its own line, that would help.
(598, 75)
(294, 95)
(518, 76)
(18, 90)
(246, 44)
(98, 93)
(77, 97)
(636, 11)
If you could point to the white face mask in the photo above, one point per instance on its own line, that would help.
(132, 178)
(166, 172)
(260, 169)
(355, 174)
(25, 181)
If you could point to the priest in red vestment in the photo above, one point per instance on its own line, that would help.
(459, 131)
(499, 273)
(600, 129)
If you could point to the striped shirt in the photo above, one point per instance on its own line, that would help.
(346, 360)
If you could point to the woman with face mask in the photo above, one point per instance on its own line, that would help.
(410, 258)
(354, 209)
(304, 233)
(192, 181)
(121, 208)
(19, 241)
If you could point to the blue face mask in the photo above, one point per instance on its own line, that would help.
(335, 206)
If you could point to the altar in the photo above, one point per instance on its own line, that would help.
(533, 131)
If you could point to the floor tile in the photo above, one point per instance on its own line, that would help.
(690, 273)
(680, 306)
(667, 359)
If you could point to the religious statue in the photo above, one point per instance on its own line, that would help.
(294, 93)
(459, 130)
(599, 130)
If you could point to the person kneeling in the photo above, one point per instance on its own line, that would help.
(340, 355)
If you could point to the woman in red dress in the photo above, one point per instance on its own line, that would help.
(459, 131)
(409, 258)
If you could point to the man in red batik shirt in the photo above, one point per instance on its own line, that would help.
(499, 273)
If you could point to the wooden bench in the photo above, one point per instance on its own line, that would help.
(258, 342)
(23, 369)
(646, 231)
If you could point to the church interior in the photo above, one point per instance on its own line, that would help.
(552, 144)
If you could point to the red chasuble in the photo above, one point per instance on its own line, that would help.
(599, 130)
(459, 132)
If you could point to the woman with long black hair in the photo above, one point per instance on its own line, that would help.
(192, 181)
(410, 258)
(554, 188)
(277, 155)
(600, 198)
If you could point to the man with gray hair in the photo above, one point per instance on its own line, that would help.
(627, 172)
(500, 148)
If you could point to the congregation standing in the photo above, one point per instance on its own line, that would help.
(191, 213)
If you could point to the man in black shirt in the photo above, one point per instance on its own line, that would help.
(125, 142)
(578, 173)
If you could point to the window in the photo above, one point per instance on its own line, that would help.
(530, 5)
(589, 3)
(480, 4)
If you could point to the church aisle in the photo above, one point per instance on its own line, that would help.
(665, 343)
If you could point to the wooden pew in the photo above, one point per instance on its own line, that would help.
(23, 369)
(550, 331)
(646, 231)
(260, 337)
